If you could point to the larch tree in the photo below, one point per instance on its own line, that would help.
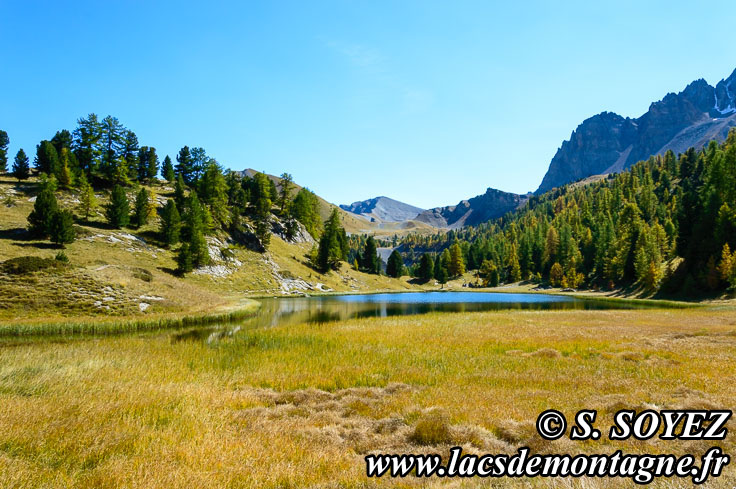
(456, 266)
(87, 199)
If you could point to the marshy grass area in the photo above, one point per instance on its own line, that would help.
(301, 405)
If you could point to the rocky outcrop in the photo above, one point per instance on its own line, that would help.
(491, 205)
(608, 143)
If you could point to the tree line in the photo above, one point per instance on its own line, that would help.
(667, 223)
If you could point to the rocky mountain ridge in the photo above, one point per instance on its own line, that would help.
(383, 209)
(609, 143)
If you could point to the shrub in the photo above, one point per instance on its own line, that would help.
(143, 274)
(61, 256)
(23, 265)
(432, 429)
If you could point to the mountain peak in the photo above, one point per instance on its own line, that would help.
(609, 143)
(383, 209)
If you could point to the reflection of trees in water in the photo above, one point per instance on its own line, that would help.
(296, 310)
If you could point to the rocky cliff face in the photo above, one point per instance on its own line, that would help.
(608, 143)
(491, 205)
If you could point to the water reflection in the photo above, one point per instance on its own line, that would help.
(297, 310)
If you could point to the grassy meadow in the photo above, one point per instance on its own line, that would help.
(300, 406)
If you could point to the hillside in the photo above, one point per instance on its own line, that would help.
(610, 143)
(128, 273)
(351, 222)
(491, 205)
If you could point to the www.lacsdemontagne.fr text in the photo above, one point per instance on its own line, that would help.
(640, 468)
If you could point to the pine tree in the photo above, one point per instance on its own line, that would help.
(152, 168)
(426, 268)
(199, 162)
(286, 184)
(47, 159)
(170, 224)
(263, 208)
(87, 139)
(4, 142)
(61, 228)
(87, 199)
(167, 170)
(184, 165)
(118, 210)
(194, 236)
(332, 244)
(213, 192)
(62, 139)
(370, 261)
(142, 208)
(112, 143)
(39, 220)
(184, 259)
(180, 194)
(395, 264)
(21, 169)
(440, 268)
(273, 193)
(130, 153)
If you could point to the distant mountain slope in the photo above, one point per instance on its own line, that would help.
(383, 209)
(607, 142)
(351, 222)
(491, 205)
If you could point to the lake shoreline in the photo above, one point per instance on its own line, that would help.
(248, 308)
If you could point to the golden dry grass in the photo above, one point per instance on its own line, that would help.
(299, 406)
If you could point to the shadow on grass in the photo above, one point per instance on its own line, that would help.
(18, 234)
(42, 245)
(151, 237)
(170, 271)
(95, 224)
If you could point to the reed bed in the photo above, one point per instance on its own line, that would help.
(105, 327)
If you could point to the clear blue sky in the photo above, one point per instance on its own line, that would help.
(426, 102)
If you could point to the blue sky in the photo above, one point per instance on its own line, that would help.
(426, 102)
